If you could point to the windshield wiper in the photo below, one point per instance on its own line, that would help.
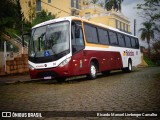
(40, 40)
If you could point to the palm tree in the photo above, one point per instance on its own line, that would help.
(147, 33)
(101, 4)
(115, 4)
(94, 1)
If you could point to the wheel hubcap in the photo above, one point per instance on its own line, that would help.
(93, 70)
(130, 67)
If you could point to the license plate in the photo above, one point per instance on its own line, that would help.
(47, 77)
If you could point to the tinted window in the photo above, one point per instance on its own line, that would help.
(113, 38)
(77, 37)
(121, 40)
(103, 36)
(91, 33)
(128, 42)
(137, 43)
(133, 42)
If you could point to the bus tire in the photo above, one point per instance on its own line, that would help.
(93, 71)
(129, 68)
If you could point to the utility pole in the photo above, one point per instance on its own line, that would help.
(134, 27)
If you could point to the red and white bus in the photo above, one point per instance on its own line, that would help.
(72, 46)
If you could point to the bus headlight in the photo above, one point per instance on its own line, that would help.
(65, 62)
(31, 67)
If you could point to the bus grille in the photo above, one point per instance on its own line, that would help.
(46, 74)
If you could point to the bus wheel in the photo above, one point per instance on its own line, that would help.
(60, 80)
(93, 71)
(129, 68)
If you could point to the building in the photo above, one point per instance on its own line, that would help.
(79, 8)
(96, 13)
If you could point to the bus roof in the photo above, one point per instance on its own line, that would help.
(81, 19)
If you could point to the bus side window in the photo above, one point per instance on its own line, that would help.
(137, 43)
(133, 42)
(128, 41)
(103, 36)
(91, 33)
(121, 40)
(77, 38)
(113, 38)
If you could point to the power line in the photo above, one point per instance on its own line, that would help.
(56, 7)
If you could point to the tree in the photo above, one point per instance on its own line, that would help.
(115, 4)
(42, 16)
(150, 10)
(151, 13)
(94, 1)
(7, 14)
(101, 4)
(147, 33)
(11, 17)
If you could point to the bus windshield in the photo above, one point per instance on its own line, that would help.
(49, 40)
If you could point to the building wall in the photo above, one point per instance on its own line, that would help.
(63, 5)
(110, 18)
(29, 9)
(79, 8)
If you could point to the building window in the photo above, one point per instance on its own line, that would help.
(127, 28)
(38, 5)
(49, 1)
(72, 3)
(87, 14)
(116, 23)
(120, 25)
(123, 26)
(29, 3)
(77, 4)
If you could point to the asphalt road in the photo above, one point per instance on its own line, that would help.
(135, 91)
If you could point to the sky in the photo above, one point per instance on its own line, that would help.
(129, 10)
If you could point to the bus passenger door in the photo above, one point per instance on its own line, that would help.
(77, 41)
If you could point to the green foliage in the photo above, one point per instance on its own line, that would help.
(147, 31)
(148, 61)
(150, 9)
(10, 17)
(115, 4)
(7, 13)
(94, 1)
(42, 17)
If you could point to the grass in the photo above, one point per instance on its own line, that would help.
(148, 61)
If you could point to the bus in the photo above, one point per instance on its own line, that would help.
(71, 46)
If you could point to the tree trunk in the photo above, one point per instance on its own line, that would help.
(149, 49)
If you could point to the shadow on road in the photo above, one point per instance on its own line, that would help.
(77, 79)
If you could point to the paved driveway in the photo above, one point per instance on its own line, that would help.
(136, 91)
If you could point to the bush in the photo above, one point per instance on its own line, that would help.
(148, 61)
